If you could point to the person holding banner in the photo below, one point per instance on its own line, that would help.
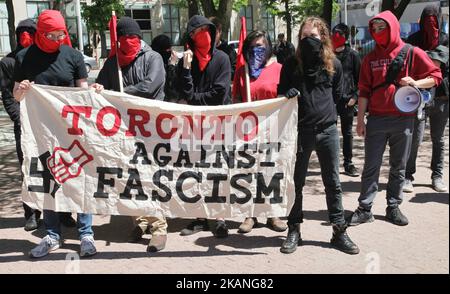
(143, 75)
(315, 76)
(389, 65)
(52, 61)
(264, 74)
(142, 68)
(204, 75)
(351, 63)
(25, 37)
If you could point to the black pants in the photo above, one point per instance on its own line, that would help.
(325, 141)
(346, 115)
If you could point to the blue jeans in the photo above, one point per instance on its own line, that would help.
(325, 141)
(53, 227)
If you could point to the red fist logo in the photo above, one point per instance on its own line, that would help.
(66, 163)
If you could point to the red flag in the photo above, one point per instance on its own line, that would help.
(113, 34)
(240, 61)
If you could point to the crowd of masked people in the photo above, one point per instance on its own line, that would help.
(324, 73)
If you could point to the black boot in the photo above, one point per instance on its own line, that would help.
(293, 239)
(342, 241)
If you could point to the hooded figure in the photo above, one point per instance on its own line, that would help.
(207, 81)
(375, 66)
(50, 60)
(430, 35)
(386, 125)
(142, 68)
(163, 45)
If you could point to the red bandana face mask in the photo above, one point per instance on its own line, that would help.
(129, 47)
(382, 38)
(431, 32)
(338, 40)
(202, 41)
(47, 45)
(26, 39)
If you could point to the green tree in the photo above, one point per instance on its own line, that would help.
(219, 8)
(294, 11)
(97, 16)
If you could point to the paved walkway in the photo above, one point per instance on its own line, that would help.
(420, 247)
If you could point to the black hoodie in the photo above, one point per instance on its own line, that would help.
(416, 39)
(212, 86)
(7, 72)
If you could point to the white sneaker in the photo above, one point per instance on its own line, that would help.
(47, 245)
(87, 246)
(408, 186)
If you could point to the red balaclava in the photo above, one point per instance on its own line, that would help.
(338, 40)
(430, 32)
(382, 38)
(49, 21)
(202, 48)
(129, 47)
(26, 39)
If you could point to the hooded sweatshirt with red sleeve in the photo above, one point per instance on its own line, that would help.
(375, 66)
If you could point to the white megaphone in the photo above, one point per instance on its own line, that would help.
(409, 99)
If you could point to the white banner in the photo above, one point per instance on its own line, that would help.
(113, 153)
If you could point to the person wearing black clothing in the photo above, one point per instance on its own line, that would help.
(143, 75)
(223, 45)
(25, 38)
(429, 38)
(163, 45)
(204, 75)
(283, 49)
(315, 76)
(52, 61)
(351, 63)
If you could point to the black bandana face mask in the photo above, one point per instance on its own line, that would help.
(311, 50)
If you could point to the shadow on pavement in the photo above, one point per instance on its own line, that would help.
(430, 197)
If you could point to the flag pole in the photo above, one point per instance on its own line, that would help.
(247, 84)
(119, 70)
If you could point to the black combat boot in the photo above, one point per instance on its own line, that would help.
(293, 239)
(342, 241)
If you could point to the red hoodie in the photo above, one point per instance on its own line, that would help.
(376, 63)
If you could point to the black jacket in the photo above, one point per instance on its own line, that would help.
(212, 86)
(231, 55)
(351, 64)
(144, 76)
(416, 39)
(7, 64)
(319, 96)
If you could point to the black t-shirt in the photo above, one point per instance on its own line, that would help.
(61, 68)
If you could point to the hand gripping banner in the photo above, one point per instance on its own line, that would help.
(116, 154)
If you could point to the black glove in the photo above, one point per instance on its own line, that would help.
(292, 92)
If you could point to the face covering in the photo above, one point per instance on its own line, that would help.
(257, 60)
(311, 52)
(49, 21)
(431, 32)
(129, 47)
(382, 38)
(202, 42)
(338, 40)
(26, 39)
